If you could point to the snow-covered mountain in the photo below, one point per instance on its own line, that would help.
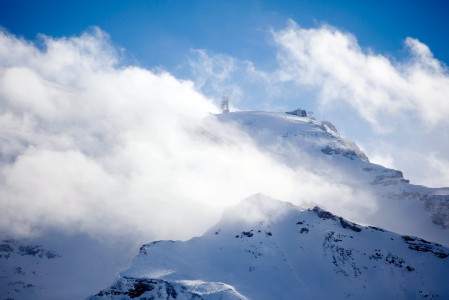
(268, 249)
(263, 248)
(388, 198)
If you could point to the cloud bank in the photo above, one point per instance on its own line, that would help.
(377, 88)
(87, 142)
(89, 145)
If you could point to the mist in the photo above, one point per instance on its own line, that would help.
(90, 145)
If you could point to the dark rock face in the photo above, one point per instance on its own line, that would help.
(36, 250)
(5, 250)
(342, 258)
(323, 214)
(304, 230)
(143, 288)
(344, 223)
(349, 225)
(376, 228)
(421, 245)
(348, 153)
(391, 259)
(416, 244)
(9, 246)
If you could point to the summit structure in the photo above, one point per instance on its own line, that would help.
(224, 104)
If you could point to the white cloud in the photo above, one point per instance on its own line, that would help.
(214, 74)
(438, 164)
(396, 109)
(88, 145)
(383, 159)
(246, 85)
(92, 146)
(405, 102)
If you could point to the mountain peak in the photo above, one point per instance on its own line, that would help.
(311, 254)
(315, 149)
(305, 132)
(256, 208)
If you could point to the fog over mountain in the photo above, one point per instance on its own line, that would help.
(81, 131)
(98, 157)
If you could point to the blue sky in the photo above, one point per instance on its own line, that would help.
(265, 56)
(160, 33)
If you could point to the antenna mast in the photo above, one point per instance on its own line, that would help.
(224, 104)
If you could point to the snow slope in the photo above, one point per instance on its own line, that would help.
(268, 249)
(58, 266)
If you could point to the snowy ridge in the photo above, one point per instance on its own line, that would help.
(309, 254)
(306, 133)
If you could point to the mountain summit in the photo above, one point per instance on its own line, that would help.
(268, 249)
(384, 195)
